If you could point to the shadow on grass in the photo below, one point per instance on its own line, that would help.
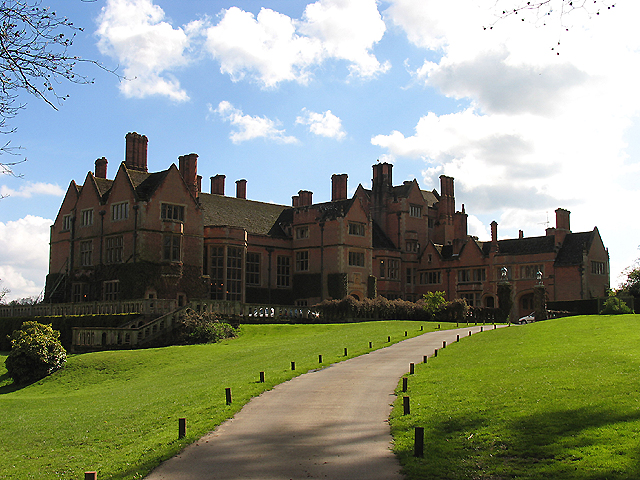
(561, 444)
(7, 384)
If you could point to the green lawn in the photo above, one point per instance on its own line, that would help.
(553, 400)
(117, 412)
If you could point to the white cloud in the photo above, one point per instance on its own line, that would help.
(248, 127)
(272, 47)
(267, 46)
(24, 255)
(134, 32)
(30, 189)
(325, 124)
(541, 130)
(348, 30)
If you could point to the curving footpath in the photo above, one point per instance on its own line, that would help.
(331, 423)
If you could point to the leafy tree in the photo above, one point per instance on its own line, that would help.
(36, 352)
(433, 301)
(3, 293)
(614, 306)
(34, 58)
(632, 284)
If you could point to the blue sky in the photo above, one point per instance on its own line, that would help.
(286, 93)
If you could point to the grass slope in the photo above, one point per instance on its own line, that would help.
(117, 412)
(553, 400)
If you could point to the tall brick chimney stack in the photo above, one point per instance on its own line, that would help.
(136, 151)
(188, 166)
(494, 232)
(563, 224)
(306, 198)
(241, 188)
(217, 185)
(338, 187)
(101, 168)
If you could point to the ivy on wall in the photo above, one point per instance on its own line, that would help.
(337, 284)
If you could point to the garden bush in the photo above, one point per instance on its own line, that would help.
(36, 352)
(204, 328)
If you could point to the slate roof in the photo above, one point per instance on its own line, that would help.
(573, 247)
(255, 217)
(524, 246)
(333, 210)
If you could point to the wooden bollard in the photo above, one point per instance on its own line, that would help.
(388, 339)
(261, 377)
(293, 365)
(370, 345)
(405, 381)
(227, 393)
(424, 358)
(405, 333)
(90, 475)
(495, 326)
(435, 352)
(444, 344)
(411, 368)
(469, 332)
(345, 352)
(421, 328)
(456, 324)
(405, 405)
(457, 338)
(482, 329)
(182, 428)
(418, 445)
(319, 358)
(438, 326)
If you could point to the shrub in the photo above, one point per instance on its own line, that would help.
(433, 301)
(454, 311)
(204, 328)
(36, 352)
(614, 306)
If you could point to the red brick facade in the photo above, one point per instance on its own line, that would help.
(157, 235)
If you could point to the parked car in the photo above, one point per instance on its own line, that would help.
(527, 319)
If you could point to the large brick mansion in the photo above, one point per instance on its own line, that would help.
(158, 235)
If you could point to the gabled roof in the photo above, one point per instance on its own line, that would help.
(255, 217)
(430, 198)
(573, 247)
(380, 239)
(146, 184)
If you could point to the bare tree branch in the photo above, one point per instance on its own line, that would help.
(35, 57)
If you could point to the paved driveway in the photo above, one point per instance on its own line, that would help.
(331, 424)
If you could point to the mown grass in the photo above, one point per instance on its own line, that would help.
(553, 400)
(117, 412)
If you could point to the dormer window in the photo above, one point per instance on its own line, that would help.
(87, 217)
(66, 223)
(356, 229)
(120, 211)
(174, 213)
(302, 232)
